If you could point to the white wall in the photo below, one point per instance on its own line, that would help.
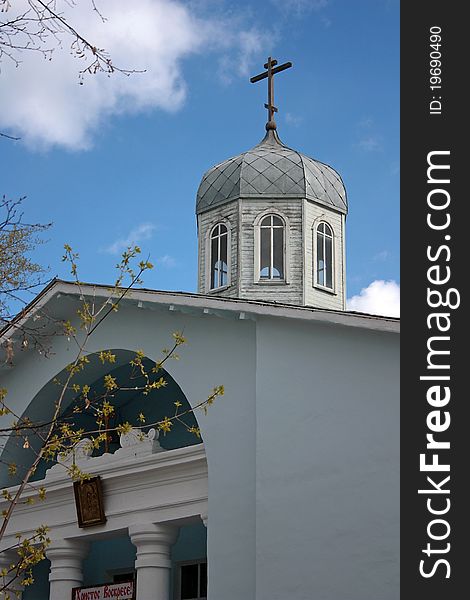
(302, 450)
(327, 459)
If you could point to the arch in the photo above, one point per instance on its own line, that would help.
(271, 247)
(219, 248)
(155, 406)
(144, 487)
(324, 256)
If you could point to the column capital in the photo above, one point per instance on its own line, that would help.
(64, 549)
(152, 533)
(66, 558)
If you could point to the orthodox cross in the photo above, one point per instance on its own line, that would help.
(269, 73)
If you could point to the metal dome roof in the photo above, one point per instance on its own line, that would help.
(271, 170)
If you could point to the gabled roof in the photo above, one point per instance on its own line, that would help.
(203, 304)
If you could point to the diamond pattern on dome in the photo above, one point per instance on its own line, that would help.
(323, 183)
(271, 169)
(231, 170)
(227, 188)
(219, 184)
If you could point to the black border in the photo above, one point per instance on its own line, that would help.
(421, 133)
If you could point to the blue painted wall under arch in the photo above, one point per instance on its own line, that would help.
(129, 404)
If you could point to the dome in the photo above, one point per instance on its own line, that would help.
(271, 170)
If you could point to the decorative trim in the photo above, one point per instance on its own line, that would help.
(165, 486)
(261, 198)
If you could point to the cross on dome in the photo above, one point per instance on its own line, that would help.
(271, 70)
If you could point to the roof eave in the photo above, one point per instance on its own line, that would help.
(204, 303)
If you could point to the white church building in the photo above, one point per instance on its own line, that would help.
(292, 492)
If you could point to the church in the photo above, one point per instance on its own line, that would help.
(292, 490)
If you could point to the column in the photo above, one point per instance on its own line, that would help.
(14, 588)
(153, 565)
(66, 572)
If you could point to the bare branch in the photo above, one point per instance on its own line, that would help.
(42, 28)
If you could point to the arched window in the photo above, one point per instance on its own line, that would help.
(219, 256)
(271, 248)
(324, 255)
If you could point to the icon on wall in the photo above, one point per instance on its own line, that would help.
(89, 502)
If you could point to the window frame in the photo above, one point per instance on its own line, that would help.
(184, 563)
(257, 249)
(208, 261)
(316, 232)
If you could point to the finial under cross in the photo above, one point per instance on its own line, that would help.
(269, 73)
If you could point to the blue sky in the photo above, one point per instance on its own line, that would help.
(119, 159)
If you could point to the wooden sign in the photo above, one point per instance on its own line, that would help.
(113, 591)
(89, 502)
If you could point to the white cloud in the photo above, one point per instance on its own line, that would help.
(244, 46)
(292, 119)
(370, 143)
(138, 234)
(167, 261)
(369, 140)
(366, 122)
(43, 102)
(383, 255)
(300, 7)
(379, 298)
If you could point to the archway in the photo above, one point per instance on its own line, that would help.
(129, 404)
(163, 495)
